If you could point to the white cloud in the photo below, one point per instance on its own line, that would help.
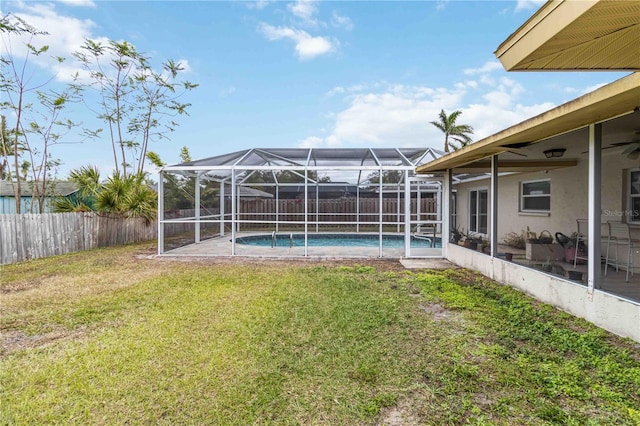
(65, 35)
(227, 91)
(528, 4)
(488, 67)
(340, 21)
(80, 3)
(396, 115)
(441, 4)
(306, 46)
(259, 4)
(590, 89)
(310, 142)
(305, 10)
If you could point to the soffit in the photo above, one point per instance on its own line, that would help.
(576, 35)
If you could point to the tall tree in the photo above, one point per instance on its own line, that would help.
(36, 114)
(452, 131)
(137, 103)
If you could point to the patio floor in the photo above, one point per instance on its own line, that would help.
(614, 282)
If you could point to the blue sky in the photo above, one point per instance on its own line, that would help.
(305, 73)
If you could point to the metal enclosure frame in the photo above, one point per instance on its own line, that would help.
(349, 167)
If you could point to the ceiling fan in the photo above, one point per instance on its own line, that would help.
(514, 146)
(632, 151)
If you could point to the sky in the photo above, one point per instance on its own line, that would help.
(320, 74)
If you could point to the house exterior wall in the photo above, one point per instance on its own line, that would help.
(8, 205)
(568, 200)
(602, 309)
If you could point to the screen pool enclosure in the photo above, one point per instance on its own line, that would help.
(356, 202)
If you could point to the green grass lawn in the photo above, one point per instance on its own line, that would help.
(110, 337)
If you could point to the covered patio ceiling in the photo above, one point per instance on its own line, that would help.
(576, 35)
(616, 105)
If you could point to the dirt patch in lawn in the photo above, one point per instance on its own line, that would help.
(15, 340)
(436, 311)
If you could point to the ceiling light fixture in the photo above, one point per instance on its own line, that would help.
(554, 153)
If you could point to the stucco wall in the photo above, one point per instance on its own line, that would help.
(569, 199)
(612, 313)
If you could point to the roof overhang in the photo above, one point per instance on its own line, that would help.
(576, 35)
(615, 99)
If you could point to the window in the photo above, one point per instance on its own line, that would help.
(478, 211)
(634, 196)
(535, 196)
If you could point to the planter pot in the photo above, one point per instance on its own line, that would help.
(544, 251)
(508, 256)
(570, 255)
(546, 268)
(575, 275)
(467, 244)
(487, 250)
(474, 246)
(480, 248)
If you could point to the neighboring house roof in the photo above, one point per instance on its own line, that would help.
(616, 99)
(248, 192)
(576, 35)
(54, 189)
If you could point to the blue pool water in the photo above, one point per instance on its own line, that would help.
(340, 240)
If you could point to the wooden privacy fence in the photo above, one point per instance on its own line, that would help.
(31, 236)
(338, 210)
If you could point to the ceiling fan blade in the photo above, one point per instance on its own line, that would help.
(631, 148)
(634, 155)
(518, 153)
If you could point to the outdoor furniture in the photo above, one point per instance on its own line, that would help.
(620, 235)
(581, 237)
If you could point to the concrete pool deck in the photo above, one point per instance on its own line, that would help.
(221, 247)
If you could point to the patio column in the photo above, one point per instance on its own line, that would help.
(494, 206)
(277, 206)
(407, 214)
(446, 209)
(233, 212)
(358, 207)
(380, 215)
(398, 209)
(197, 207)
(222, 215)
(439, 209)
(595, 164)
(160, 213)
(306, 211)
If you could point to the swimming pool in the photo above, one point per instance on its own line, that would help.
(339, 240)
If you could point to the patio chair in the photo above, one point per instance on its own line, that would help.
(581, 238)
(620, 235)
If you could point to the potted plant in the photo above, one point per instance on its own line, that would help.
(456, 235)
(540, 246)
(569, 246)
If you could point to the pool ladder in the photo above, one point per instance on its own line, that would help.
(274, 240)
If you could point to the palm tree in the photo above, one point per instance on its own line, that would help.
(452, 131)
(128, 196)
